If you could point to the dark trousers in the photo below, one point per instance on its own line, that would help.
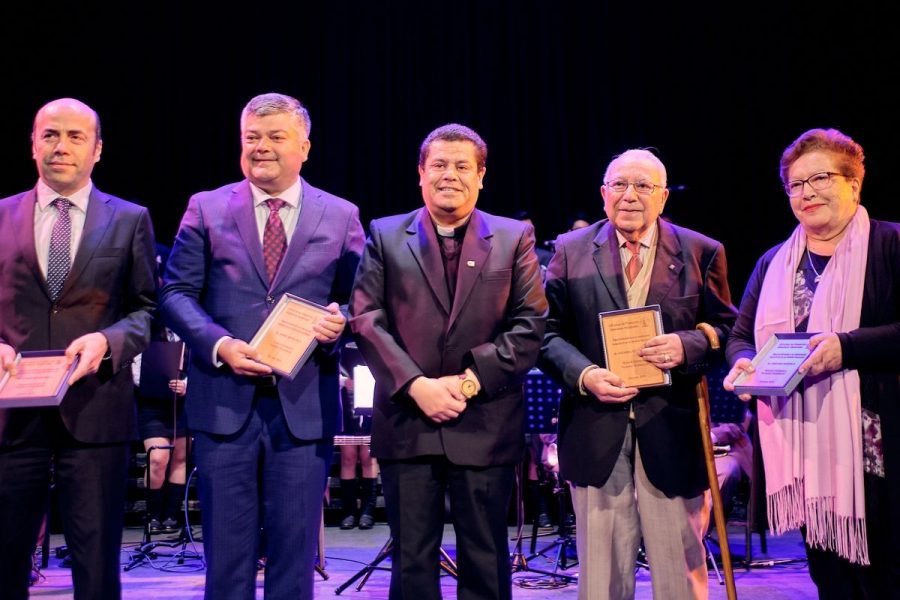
(414, 492)
(90, 482)
(838, 579)
(261, 476)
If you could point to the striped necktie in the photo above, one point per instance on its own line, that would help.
(634, 265)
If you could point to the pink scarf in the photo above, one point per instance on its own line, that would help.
(812, 442)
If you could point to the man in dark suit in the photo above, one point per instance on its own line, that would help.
(263, 443)
(634, 456)
(448, 311)
(78, 272)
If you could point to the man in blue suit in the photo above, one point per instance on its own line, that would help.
(262, 443)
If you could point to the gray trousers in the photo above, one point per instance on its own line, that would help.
(611, 522)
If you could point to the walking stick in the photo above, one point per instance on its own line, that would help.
(718, 509)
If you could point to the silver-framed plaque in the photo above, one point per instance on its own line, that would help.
(776, 366)
(286, 338)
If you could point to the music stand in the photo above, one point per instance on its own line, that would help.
(161, 362)
(542, 397)
(447, 564)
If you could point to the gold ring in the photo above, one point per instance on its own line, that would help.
(667, 357)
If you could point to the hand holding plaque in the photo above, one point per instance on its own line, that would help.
(286, 338)
(623, 333)
(776, 368)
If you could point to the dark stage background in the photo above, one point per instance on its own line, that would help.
(556, 88)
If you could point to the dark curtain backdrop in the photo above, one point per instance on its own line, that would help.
(556, 89)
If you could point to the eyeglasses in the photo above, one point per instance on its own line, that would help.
(643, 188)
(818, 182)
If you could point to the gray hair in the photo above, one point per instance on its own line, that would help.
(645, 153)
(275, 104)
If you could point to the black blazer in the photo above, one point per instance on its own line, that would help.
(406, 326)
(689, 281)
(110, 289)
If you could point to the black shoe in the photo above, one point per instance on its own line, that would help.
(349, 522)
(156, 527)
(366, 522)
(543, 521)
(170, 525)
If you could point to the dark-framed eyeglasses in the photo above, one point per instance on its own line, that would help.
(643, 188)
(817, 181)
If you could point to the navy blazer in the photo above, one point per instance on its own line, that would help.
(216, 285)
(111, 289)
(407, 326)
(689, 281)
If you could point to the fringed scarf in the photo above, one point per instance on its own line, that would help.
(812, 441)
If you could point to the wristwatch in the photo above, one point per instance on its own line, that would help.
(468, 386)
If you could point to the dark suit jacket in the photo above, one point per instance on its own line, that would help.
(111, 288)
(406, 326)
(689, 281)
(216, 285)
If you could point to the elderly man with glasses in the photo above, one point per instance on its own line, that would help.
(622, 447)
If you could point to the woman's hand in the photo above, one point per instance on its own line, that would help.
(743, 365)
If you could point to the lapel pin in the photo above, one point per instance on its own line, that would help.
(671, 267)
(470, 263)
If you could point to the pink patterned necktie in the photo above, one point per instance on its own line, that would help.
(59, 260)
(274, 238)
(634, 265)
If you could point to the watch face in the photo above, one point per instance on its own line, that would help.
(467, 387)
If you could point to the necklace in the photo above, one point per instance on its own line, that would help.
(813, 267)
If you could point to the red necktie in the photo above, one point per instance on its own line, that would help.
(634, 265)
(274, 238)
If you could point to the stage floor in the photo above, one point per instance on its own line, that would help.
(348, 551)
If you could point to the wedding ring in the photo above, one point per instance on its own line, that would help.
(667, 357)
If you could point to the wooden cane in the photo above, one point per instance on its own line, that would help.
(718, 509)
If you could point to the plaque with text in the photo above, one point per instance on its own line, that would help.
(776, 365)
(286, 338)
(623, 333)
(41, 379)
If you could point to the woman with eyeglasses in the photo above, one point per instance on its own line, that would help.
(831, 448)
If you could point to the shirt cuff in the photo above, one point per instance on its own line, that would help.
(215, 355)
(580, 384)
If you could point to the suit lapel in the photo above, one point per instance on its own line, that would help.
(23, 223)
(423, 244)
(475, 250)
(609, 263)
(667, 266)
(100, 215)
(312, 210)
(241, 207)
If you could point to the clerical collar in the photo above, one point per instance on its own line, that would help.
(451, 232)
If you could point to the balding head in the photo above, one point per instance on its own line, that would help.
(66, 144)
(72, 104)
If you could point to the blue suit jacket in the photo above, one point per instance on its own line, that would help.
(216, 285)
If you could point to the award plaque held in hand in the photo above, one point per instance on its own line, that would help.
(41, 379)
(286, 338)
(623, 333)
(776, 366)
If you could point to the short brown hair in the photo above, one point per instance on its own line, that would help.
(850, 154)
